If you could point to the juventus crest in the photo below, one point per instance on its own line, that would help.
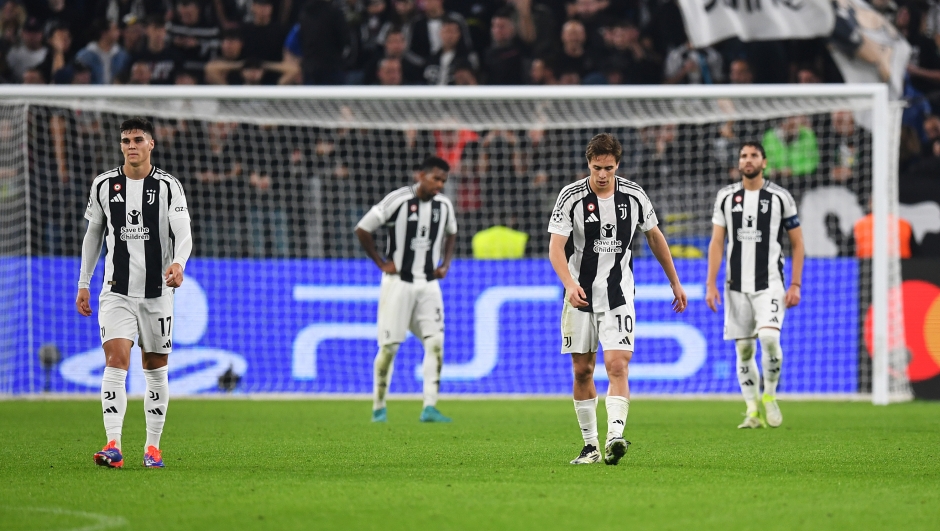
(151, 196)
(623, 211)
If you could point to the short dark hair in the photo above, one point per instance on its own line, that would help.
(603, 144)
(756, 145)
(137, 123)
(434, 162)
(155, 20)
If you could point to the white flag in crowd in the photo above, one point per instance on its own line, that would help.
(867, 48)
(711, 21)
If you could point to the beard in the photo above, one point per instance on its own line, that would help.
(754, 173)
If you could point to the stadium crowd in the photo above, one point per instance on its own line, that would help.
(248, 169)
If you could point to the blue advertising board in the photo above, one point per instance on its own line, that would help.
(308, 326)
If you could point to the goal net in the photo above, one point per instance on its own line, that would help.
(279, 298)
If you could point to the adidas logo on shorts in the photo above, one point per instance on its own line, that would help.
(169, 344)
(625, 341)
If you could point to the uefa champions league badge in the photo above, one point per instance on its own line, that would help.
(737, 199)
(414, 208)
(591, 207)
(117, 187)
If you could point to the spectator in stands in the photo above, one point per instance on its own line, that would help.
(924, 65)
(230, 59)
(440, 67)
(688, 66)
(574, 53)
(133, 38)
(161, 57)
(791, 149)
(504, 60)
(847, 158)
(569, 77)
(33, 76)
(402, 17)
(104, 56)
(192, 36)
(140, 74)
(389, 72)
(60, 50)
(931, 133)
(465, 74)
(369, 31)
(12, 18)
(426, 30)
(324, 38)
(396, 48)
(740, 73)
(638, 66)
(808, 74)
(30, 53)
(593, 15)
(536, 26)
(499, 242)
(265, 34)
(542, 72)
(863, 233)
(122, 11)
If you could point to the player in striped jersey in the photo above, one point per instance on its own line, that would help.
(754, 214)
(140, 212)
(422, 229)
(592, 228)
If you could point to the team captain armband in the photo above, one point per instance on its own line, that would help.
(791, 222)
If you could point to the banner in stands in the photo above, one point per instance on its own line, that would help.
(711, 21)
(308, 326)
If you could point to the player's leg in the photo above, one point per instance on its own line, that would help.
(118, 326)
(156, 343)
(579, 339)
(428, 324)
(396, 301)
(616, 336)
(770, 309)
(740, 326)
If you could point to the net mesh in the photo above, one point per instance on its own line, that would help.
(279, 293)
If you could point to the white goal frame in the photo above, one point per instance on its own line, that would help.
(884, 143)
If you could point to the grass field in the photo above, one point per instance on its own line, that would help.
(500, 465)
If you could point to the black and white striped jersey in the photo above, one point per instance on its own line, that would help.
(753, 219)
(416, 230)
(601, 233)
(137, 214)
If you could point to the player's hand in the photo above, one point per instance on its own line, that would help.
(681, 300)
(712, 298)
(577, 297)
(81, 302)
(793, 296)
(174, 275)
(388, 267)
(441, 272)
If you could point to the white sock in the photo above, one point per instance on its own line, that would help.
(113, 402)
(771, 359)
(748, 376)
(617, 409)
(156, 400)
(587, 418)
(431, 368)
(382, 374)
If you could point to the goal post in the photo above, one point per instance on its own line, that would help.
(278, 176)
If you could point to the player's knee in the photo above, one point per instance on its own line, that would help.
(745, 348)
(583, 368)
(617, 368)
(387, 352)
(769, 339)
(434, 345)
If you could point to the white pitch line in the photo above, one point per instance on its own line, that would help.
(102, 522)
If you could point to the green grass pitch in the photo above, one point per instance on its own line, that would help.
(285, 465)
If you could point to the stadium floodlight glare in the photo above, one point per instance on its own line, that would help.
(285, 172)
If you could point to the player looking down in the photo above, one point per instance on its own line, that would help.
(592, 228)
(422, 228)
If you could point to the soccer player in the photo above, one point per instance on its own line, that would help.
(140, 213)
(752, 213)
(421, 224)
(592, 228)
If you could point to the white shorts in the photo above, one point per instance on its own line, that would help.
(149, 321)
(581, 331)
(416, 306)
(746, 313)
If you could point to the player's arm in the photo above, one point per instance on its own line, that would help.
(91, 248)
(556, 255)
(368, 245)
(657, 242)
(715, 252)
(450, 243)
(178, 216)
(796, 281)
